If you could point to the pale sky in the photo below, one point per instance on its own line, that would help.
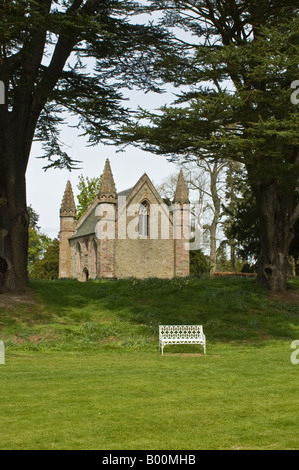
(45, 189)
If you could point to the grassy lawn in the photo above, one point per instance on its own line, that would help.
(83, 370)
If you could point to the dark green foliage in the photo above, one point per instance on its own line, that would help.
(89, 188)
(75, 56)
(199, 264)
(62, 62)
(33, 218)
(38, 244)
(47, 267)
(38, 241)
(236, 64)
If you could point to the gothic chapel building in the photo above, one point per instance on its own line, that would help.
(128, 234)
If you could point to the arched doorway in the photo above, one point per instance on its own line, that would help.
(86, 274)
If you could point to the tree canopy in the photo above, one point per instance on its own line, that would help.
(234, 67)
(73, 57)
(47, 267)
(88, 190)
(60, 61)
(234, 63)
(38, 241)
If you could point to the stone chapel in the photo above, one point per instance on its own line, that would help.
(132, 233)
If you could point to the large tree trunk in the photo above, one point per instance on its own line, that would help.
(214, 175)
(13, 208)
(275, 209)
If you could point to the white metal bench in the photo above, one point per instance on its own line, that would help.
(181, 334)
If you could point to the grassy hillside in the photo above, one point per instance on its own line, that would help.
(83, 371)
(126, 313)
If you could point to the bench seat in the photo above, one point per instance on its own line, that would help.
(181, 334)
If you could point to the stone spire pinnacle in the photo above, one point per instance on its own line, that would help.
(107, 191)
(181, 193)
(68, 206)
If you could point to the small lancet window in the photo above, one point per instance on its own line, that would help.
(143, 220)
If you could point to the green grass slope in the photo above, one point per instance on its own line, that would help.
(83, 370)
(126, 313)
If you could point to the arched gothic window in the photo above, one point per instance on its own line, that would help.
(143, 219)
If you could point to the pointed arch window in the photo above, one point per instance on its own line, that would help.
(143, 219)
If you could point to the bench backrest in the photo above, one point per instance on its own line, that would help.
(180, 331)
